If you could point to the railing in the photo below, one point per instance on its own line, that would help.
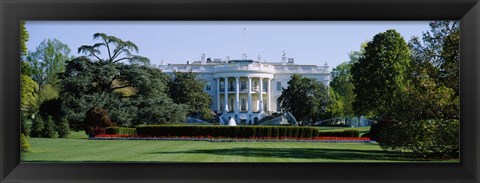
(257, 89)
(249, 67)
(300, 69)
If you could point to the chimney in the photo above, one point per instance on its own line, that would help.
(203, 58)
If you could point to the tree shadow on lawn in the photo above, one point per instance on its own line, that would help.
(305, 153)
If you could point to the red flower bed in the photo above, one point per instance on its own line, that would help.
(222, 139)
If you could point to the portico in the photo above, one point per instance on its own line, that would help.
(244, 93)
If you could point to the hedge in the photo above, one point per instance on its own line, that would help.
(228, 131)
(240, 131)
(120, 130)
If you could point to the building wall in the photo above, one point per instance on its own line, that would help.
(281, 76)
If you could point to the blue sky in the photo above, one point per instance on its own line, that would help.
(309, 42)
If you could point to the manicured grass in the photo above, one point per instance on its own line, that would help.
(77, 148)
(362, 130)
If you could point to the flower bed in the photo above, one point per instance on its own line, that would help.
(228, 139)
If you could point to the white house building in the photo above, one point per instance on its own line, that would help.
(246, 90)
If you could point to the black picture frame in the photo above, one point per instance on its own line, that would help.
(12, 11)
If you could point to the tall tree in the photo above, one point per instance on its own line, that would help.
(23, 38)
(342, 89)
(131, 93)
(28, 96)
(379, 76)
(435, 72)
(117, 49)
(48, 59)
(25, 67)
(305, 98)
(186, 89)
(438, 53)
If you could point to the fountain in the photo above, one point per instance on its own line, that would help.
(222, 120)
(232, 122)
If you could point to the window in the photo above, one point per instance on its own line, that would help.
(222, 86)
(279, 86)
(243, 85)
(209, 86)
(244, 104)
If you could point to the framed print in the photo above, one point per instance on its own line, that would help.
(91, 97)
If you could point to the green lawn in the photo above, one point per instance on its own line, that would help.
(78, 148)
(362, 130)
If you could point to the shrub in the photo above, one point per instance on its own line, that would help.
(24, 145)
(51, 107)
(25, 129)
(376, 128)
(430, 138)
(37, 127)
(96, 119)
(49, 128)
(228, 131)
(121, 131)
(63, 129)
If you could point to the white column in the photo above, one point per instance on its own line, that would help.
(237, 94)
(218, 94)
(249, 107)
(269, 90)
(261, 95)
(226, 95)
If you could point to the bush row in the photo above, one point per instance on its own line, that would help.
(228, 131)
(121, 130)
(240, 131)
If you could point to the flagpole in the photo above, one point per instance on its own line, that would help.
(244, 54)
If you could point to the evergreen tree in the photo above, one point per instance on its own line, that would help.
(122, 83)
(63, 130)
(49, 128)
(37, 127)
(24, 145)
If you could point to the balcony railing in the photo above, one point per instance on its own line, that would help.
(254, 89)
(299, 69)
(249, 67)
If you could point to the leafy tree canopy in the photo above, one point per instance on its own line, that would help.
(132, 94)
(47, 61)
(186, 89)
(437, 53)
(28, 96)
(305, 98)
(379, 76)
(117, 49)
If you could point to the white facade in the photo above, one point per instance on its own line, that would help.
(239, 88)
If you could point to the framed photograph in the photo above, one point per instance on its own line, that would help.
(389, 91)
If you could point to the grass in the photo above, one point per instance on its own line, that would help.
(362, 130)
(77, 148)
